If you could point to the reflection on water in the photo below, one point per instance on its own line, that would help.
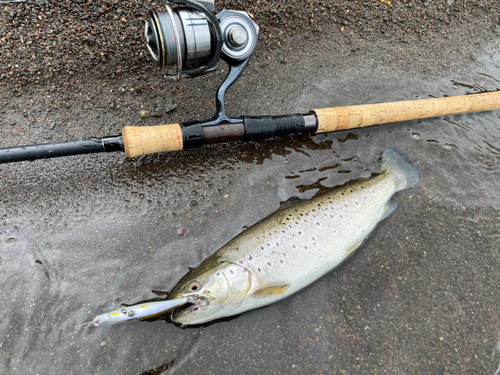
(421, 296)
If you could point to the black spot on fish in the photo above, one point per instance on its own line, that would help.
(218, 274)
(314, 210)
(250, 257)
(258, 269)
(232, 272)
(362, 187)
(262, 248)
(288, 218)
(281, 261)
(300, 232)
(268, 244)
(283, 231)
(305, 247)
(293, 246)
(317, 223)
(331, 215)
(268, 263)
(277, 244)
(343, 194)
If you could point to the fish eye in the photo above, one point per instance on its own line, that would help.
(194, 286)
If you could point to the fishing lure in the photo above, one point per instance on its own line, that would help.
(140, 311)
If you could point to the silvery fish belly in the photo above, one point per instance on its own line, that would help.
(292, 247)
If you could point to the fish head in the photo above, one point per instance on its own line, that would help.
(214, 290)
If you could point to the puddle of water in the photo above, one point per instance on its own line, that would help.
(419, 297)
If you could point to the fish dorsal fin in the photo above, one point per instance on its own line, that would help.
(271, 291)
(290, 202)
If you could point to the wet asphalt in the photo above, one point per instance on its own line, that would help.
(81, 235)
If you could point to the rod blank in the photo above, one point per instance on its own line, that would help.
(53, 150)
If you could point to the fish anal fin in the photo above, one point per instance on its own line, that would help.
(271, 291)
(388, 209)
(353, 247)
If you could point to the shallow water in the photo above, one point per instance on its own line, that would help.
(421, 296)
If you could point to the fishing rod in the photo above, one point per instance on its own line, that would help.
(194, 39)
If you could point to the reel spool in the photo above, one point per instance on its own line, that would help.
(189, 37)
(194, 39)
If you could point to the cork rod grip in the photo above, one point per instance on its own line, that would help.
(358, 116)
(143, 140)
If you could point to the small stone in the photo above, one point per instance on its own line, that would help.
(170, 107)
(180, 231)
(143, 113)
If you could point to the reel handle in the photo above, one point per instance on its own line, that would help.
(358, 116)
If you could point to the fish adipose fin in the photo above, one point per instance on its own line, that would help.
(271, 291)
(406, 174)
(293, 201)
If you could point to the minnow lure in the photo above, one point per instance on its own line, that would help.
(140, 311)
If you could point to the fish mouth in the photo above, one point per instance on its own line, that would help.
(188, 308)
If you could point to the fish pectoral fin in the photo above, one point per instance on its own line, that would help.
(270, 291)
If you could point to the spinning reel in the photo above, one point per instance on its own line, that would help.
(194, 39)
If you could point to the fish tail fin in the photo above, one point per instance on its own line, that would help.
(407, 175)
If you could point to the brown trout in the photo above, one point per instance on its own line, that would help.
(291, 248)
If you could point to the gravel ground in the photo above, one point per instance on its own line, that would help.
(42, 40)
(79, 235)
